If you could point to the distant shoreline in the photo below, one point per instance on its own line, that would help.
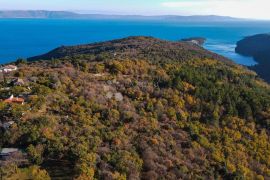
(43, 14)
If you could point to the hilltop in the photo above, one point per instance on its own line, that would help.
(135, 108)
(258, 47)
(134, 47)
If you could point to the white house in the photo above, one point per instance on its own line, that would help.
(8, 151)
(8, 68)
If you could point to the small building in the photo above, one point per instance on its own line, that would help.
(8, 68)
(13, 99)
(13, 156)
(5, 152)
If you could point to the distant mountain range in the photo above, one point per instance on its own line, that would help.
(71, 15)
(37, 14)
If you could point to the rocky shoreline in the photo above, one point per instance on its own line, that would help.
(258, 47)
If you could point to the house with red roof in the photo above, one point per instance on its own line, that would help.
(13, 99)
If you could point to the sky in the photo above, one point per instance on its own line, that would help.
(255, 9)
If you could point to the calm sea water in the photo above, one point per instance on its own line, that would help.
(22, 38)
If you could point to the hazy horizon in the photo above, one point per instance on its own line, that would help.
(114, 13)
(250, 9)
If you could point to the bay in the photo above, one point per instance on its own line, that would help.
(22, 38)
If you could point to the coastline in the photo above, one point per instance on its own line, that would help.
(220, 49)
(221, 37)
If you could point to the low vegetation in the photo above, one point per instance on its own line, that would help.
(122, 114)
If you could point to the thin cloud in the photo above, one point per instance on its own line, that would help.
(237, 8)
(204, 3)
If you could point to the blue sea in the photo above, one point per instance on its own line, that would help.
(22, 38)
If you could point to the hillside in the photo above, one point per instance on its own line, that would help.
(136, 108)
(73, 15)
(258, 47)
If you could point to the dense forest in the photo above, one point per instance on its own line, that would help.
(135, 108)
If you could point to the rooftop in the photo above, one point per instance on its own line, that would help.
(13, 99)
(8, 150)
(9, 67)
